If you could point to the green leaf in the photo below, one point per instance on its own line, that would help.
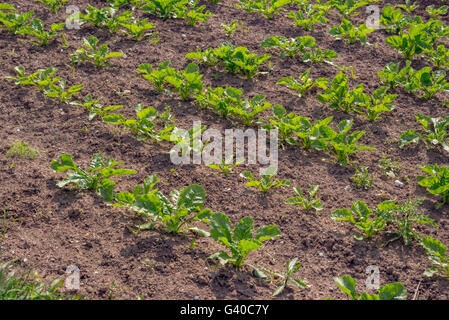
(347, 285)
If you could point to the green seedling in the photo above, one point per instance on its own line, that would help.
(307, 203)
(304, 83)
(437, 182)
(362, 179)
(346, 30)
(240, 241)
(22, 150)
(391, 291)
(62, 92)
(54, 5)
(94, 107)
(36, 29)
(95, 178)
(437, 254)
(94, 53)
(265, 183)
(226, 166)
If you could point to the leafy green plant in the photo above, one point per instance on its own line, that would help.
(22, 150)
(226, 165)
(348, 8)
(343, 144)
(286, 277)
(436, 12)
(234, 59)
(95, 178)
(411, 43)
(187, 141)
(404, 216)
(269, 8)
(390, 167)
(42, 78)
(62, 92)
(156, 76)
(286, 124)
(146, 123)
(391, 291)
(175, 216)
(240, 241)
(362, 217)
(166, 9)
(291, 47)
(196, 14)
(307, 17)
(248, 110)
(231, 28)
(428, 81)
(437, 255)
(372, 106)
(394, 21)
(307, 203)
(138, 29)
(265, 183)
(439, 57)
(26, 286)
(94, 53)
(436, 132)
(109, 17)
(11, 21)
(339, 95)
(361, 178)
(408, 6)
(54, 5)
(94, 107)
(346, 30)
(313, 134)
(186, 82)
(437, 182)
(393, 76)
(220, 99)
(36, 28)
(304, 83)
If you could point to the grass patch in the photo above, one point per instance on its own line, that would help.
(22, 150)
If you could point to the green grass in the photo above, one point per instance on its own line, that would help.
(25, 286)
(22, 150)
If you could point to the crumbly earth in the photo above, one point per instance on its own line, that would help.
(52, 228)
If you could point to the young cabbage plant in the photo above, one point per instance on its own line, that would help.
(313, 134)
(437, 254)
(95, 178)
(435, 129)
(348, 8)
(437, 182)
(435, 12)
(391, 291)
(240, 241)
(156, 76)
(226, 166)
(94, 53)
(94, 107)
(231, 28)
(404, 216)
(307, 203)
(346, 30)
(221, 100)
(36, 29)
(304, 83)
(362, 217)
(265, 183)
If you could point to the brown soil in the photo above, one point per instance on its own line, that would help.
(58, 227)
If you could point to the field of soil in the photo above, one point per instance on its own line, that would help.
(50, 228)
